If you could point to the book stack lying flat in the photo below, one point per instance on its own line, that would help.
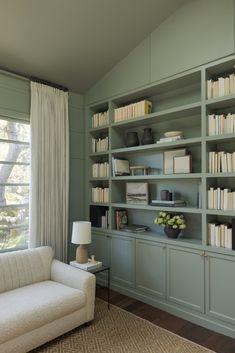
(135, 228)
(174, 203)
(88, 266)
(169, 139)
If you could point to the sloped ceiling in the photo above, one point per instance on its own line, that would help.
(74, 42)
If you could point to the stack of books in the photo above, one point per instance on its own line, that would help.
(170, 139)
(135, 228)
(173, 203)
(88, 266)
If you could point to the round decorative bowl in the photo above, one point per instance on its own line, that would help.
(171, 232)
(173, 133)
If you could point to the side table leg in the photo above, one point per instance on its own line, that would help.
(109, 289)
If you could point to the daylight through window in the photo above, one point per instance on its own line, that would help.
(14, 184)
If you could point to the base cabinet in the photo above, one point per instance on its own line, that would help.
(151, 268)
(220, 287)
(122, 251)
(186, 278)
(184, 281)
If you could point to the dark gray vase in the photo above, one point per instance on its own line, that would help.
(132, 139)
(147, 137)
(171, 232)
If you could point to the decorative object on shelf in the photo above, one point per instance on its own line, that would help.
(171, 232)
(121, 166)
(172, 223)
(81, 234)
(141, 169)
(169, 159)
(182, 164)
(132, 139)
(147, 137)
(121, 217)
(173, 133)
(137, 193)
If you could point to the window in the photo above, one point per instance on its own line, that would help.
(14, 184)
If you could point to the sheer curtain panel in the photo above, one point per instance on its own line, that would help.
(49, 169)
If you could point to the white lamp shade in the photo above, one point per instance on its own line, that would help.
(81, 233)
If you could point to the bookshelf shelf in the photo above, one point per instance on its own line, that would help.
(160, 146)
(164, 115)
(158, 208)
(229, 213)
(159, 177)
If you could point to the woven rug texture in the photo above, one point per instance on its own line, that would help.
(118, 331)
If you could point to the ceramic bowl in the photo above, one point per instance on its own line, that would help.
(172, 133)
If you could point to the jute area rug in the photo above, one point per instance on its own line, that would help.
(117, 331)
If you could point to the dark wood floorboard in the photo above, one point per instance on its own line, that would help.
(207, 338)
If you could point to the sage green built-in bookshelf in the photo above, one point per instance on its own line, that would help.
(178, 103)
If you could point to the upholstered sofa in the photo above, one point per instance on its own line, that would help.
(40, 299)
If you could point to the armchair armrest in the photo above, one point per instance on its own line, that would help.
(78, 279)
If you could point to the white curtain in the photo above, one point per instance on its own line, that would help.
(49, 169)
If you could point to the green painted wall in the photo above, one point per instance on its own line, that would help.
(77, 165)
(198, 32)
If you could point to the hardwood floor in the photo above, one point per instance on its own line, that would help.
(207, 338)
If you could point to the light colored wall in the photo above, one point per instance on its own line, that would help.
(198, 32)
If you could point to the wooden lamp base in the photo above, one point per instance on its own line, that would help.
(82, 254)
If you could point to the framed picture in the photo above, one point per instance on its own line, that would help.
(121, 218)
(137, 193)
(183, 164)
(169, 159)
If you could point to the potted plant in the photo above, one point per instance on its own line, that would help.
(172, 223)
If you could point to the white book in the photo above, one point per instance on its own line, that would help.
(87, 266)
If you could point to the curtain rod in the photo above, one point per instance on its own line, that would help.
(34, 79)
(48, 83)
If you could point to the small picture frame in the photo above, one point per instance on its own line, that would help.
(137, 193)
(169, 159)
(182, 164)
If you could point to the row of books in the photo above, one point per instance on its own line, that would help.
(100, 119)
(221, 199)
(100, 144)
(221, 87)
(99, 216)
(221, 124)
(100, 170)
(133, 110)
(220, 235)
(120, 166)
(221, 162)
(100, 194)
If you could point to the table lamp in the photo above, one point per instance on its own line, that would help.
(81, 234)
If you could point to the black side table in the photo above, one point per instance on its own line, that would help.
(102, 269)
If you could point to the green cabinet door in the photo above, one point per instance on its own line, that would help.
(100, 247)
(151, 267)
(122, 256)
(220, 287)
(185, 283)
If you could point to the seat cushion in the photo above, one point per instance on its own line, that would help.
(27, 308)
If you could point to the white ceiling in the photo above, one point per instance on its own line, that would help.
(74, 42)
